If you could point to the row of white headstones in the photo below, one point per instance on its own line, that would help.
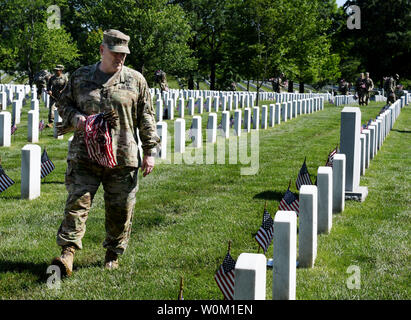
(270, 115)
(316, 205)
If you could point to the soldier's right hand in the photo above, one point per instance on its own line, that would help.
(81, 123)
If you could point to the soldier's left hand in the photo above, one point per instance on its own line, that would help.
(148, 165)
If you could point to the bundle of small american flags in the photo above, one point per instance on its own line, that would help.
(98, 140)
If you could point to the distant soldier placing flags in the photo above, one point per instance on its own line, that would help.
(161, 79)
(55, 87)
(118, 98)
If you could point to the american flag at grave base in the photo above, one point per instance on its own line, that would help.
(13, 129)
(5, 180)
(330, 159)
(225, 277)
(289, 202)
(265, 234)
(42, 125)
(303, 177)
(47, 165)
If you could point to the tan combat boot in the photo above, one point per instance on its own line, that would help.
(111, 260)
(65, 261)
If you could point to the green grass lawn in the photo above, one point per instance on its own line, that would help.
(185, 215)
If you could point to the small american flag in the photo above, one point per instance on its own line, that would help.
(231, 121)
(303, 177)
(330, 159)
(47, 165)
(265, 234)
(225, 277)
(98, 141)
(191, 133)
(289, 202)
(13, 129)
(41, 125)
(5, 180)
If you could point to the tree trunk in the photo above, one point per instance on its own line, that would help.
(190, 82)
(290, 85)
(301, 85)
(212, 75)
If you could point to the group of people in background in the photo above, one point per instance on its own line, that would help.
(53, 85)
(364, 85)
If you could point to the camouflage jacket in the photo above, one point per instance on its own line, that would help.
(390, 85)
(126, 92)
(343, 88)
(56, 85)
(360, 85)
(369, 84)
(41, 78)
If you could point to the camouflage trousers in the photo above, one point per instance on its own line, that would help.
(390, 97)
(52, 107)
(361, 95)
(367, 97)
(120, 186)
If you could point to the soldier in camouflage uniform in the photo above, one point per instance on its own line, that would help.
(278, 83)
(369, 85)
(389, 87)
(41, 79)
(55, 87)
(360, 89)
(161, 78)
(102, 87)
(343, 87)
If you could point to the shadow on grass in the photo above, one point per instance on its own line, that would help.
(52, 182)
(401, 131)
(11, 197)
(40, 269)
(269, 195)
(37, 269)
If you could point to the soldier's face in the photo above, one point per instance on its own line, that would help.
(112, 61)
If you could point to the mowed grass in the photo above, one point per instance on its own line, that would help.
(186, 214)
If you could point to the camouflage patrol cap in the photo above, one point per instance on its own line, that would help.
(116, 41)
(59, 67)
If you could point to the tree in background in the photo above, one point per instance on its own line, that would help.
(159, 33)
(383, 44)
(27, 43)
